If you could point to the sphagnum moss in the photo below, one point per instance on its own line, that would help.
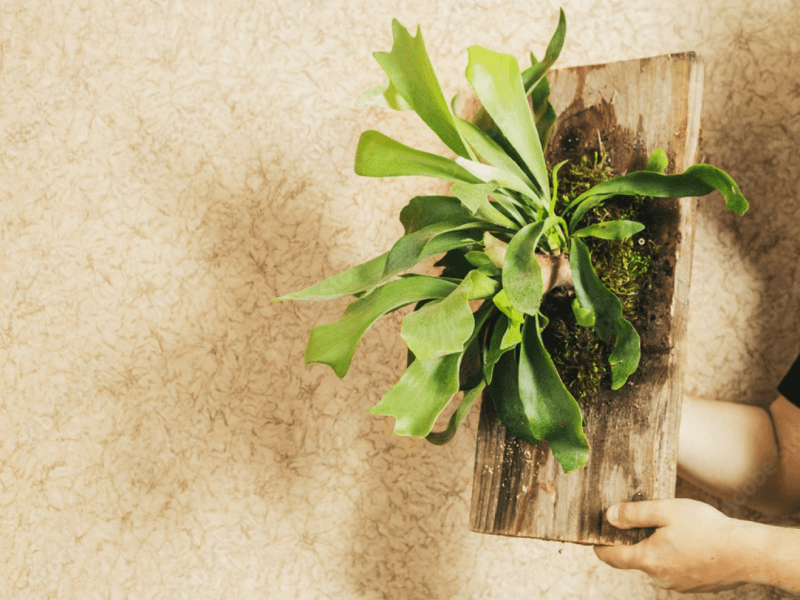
(622, 265)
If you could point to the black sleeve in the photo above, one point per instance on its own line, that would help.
(789, 386)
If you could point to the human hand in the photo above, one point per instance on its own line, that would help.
(692, 549)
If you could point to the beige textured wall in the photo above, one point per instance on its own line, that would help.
(166, 168)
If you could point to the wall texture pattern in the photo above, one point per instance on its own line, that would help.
(167, 168)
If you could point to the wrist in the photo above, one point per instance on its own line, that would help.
(751, 544)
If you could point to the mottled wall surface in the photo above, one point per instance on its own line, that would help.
(167, 168)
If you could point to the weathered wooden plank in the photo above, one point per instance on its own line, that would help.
(631, 108)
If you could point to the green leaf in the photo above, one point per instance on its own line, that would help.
(411, 74)
(502, 302)
(410, 249)
(658, 161)
(591, 293)
(475, 197)
(443, 327)
(497, 83)
(424, 219)
(492, 350)
(352, 281)
(508, 173)
(421, 393)
(554, 179)
(335, 343)
(594, 296)
(535, 84)
(697, 180)
(425, 389)
(584, 207)
(378, 155)
(585, 317)
(478, 259)
(624, 359)
(506, 333)
(611, 230)
(385, 95)
(495, 249)
(442, 437)
(374, 272)
(422, 211)
(551, 412)
(534, 74)
(522, 275)
(504, 391)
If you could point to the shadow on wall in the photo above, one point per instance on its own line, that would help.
(750, 129)
(390, 510)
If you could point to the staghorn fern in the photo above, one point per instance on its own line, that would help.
(499, 225)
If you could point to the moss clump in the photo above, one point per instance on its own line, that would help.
(579, 355)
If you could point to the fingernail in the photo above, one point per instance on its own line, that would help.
(612, 514)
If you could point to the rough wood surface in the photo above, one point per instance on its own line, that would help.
(630, 108)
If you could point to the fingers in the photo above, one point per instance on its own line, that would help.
(647, 513)
(619, 557)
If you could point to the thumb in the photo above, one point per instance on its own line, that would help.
(629, 515)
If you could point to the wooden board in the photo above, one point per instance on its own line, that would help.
(631, 108)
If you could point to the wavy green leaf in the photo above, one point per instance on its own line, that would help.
(443, 327)
(351, 281)
(425, 388)
(374, 272)
(551, 412)
(422, 211)
(535, 84)
(532, 76)
(421, 393)
(658, 161)
(611, 230)
(479, 259)
(410, 249)
(497, 83)
(506, 335)
(594, 296)
(335, 343)
(522, 275)
(442, 437)
(378, 155)
(591, 293)
(424, 219)
(412, 77)
(504, 391)
(697, 180)
(624, 359)
(508, 174)
(475, 197)
(583, 316)
(585, 206)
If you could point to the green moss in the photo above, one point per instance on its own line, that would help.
(579, 355)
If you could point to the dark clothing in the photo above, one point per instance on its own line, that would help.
(789, 386)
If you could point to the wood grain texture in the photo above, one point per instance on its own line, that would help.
(629, 108)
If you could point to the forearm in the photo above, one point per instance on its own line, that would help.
(730, 450)
(769, 555)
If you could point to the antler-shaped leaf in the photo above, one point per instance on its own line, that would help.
(412, 78)
(594, 296)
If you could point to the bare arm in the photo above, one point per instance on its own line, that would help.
(770, 554)
(743, 454)
(696, 548)
(746, 455)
